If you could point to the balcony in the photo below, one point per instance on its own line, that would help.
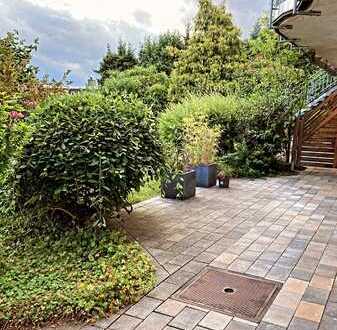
(309, 24)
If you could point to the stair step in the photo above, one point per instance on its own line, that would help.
(317, 159)
(309, 153)
(318, 149)
(314, 164)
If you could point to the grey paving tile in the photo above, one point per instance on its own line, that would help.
(180, 277)
(269, 326)
(317, 296)
(125, 322)
(237, 325)
(154, 321)
(300, 324)
(215, 321)
(331, 310)
(188, 318)
(163, 291)
(328, 323)
(144, 307)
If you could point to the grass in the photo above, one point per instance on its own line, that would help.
(50, 273)
(149, 190)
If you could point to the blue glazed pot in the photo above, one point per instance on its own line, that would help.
(206, 175)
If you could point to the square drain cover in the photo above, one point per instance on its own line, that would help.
(230, 293)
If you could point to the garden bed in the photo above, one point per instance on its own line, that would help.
(49, 274)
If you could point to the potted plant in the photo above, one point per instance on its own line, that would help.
(201, 144)
(178, 180)
(224, 175)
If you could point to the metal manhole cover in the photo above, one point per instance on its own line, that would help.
(239, 295)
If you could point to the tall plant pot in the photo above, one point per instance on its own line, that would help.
(206, 175)
(187, 189)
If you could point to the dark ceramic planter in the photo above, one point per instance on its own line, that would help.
(188, 181)
(206, 175)
(224, 182)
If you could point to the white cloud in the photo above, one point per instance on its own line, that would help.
(165, 15)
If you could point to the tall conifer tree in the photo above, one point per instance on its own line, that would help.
(123, 59)
(208, 59)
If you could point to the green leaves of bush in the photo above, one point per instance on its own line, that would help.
(51, 275)
(87, 153)
(147, 84)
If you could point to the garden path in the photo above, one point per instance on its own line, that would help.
(279, 228)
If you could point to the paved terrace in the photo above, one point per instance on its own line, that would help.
(281, 228)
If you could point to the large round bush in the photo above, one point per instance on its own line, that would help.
(86, 154)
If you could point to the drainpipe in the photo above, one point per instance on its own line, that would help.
(271, 14)
(295, 7)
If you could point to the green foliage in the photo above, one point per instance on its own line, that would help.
(147, 84)
(200, 141)
(213, 47)
(20, 92)
(50, 274)
(229, 113)
(123, 59)
(16, 69)
(161, 52)
(87, 153)
(150, 189)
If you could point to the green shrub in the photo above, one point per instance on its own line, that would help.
(87, 153)
(147, 84)
(228, 113)
(254, 130)
(49, 274)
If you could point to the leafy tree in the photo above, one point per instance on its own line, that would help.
(161, 52)
(20, 93)
(277, 73)
(147, 84)
(16, 70)
(123, 59)
(212, 48)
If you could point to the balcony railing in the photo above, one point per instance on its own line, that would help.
(280, 7)
(319, 84)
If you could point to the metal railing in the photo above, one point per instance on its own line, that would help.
(279, 7)
(319, 84)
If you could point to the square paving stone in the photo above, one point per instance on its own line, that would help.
(320, 282)
(331, 310)
(300, 324)
(125, 322)
(194, 267)
(328, 323)
(215, 321)
(180, 277)
(163, 291)
(269, 326)
(188, 318)
(309, 311)
(144, 307)
(317, 296)
(237, 325)
(279, 315)
(296, 286)
(171, 307)
(154, 321)
(205, 257)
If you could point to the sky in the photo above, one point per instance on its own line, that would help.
(73, 34)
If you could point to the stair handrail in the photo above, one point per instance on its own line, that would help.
(319, 84)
